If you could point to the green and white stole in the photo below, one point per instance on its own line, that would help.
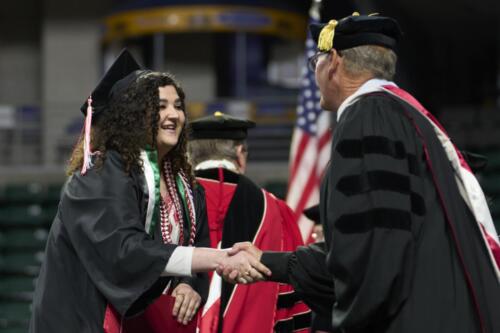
(149, 159)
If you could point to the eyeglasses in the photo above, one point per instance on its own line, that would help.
(313, 61)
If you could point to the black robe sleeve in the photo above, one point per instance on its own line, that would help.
(101, 212)
(306, 271)
(375, 197)
(200, 281)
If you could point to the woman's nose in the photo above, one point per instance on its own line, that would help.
(172, 113)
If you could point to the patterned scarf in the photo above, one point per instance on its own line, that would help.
(179, 190)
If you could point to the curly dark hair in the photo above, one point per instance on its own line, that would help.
(131, 124)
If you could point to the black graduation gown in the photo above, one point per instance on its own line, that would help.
(393, 254)
(306, 271)
(98, 252)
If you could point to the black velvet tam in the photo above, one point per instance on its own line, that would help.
(358, 30)
(220, 126)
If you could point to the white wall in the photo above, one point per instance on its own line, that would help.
(19, 74)
(192, 64)
(70, 62)
(19, 52)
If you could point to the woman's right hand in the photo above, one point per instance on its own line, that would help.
(187, 302)
(243, 266)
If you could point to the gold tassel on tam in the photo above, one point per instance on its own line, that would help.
(325, 39)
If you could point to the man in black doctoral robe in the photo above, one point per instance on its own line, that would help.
(409, 238)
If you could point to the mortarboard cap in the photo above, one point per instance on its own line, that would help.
(312, 213)
(123, 65)
(356, 30)
(220, 126)
(118, 77)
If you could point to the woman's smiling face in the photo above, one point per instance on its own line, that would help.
(172, 119)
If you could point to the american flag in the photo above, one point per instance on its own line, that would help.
(310, 149)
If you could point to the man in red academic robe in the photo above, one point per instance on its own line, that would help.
(238, 210)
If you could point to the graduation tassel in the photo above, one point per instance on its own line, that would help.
(325, 39)
(87, 154)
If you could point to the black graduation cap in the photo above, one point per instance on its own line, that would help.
(476, 162)
(312, 213)
(123, 65)
(356, 30)
(117, 78)
(220, 126)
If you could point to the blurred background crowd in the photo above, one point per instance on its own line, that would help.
(242, 57)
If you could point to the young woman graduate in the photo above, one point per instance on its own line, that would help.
(126, 209)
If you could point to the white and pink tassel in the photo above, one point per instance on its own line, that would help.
(87, 153)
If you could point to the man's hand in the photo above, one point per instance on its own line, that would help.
(243, 265)
(247, 247)
(187, 301)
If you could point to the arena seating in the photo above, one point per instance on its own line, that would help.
(26, 213)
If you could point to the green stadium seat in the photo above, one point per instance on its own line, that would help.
(22, 329)
(32, 271)
(53, 194)
(30, 192)
(33, 214)
(49, 213)
(26, 238)
(14, 316)
(20, 260)
(3, 240)
(13, 284)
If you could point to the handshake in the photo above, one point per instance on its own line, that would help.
(242, 264)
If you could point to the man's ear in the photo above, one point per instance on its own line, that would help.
(334, 63)
(241, 158)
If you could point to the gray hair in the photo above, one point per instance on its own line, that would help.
(375, 60)
(201, 150)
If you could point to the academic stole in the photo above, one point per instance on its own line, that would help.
(470, 190)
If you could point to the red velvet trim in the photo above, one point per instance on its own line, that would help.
(419, 107)
(111, 320)
(495, 248)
